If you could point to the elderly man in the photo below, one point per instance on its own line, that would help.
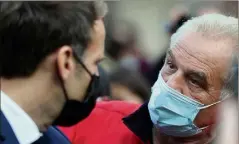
(190, 87)
(50, 53)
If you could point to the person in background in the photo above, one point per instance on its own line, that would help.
(104, 86)
(171, 28)
(190, 88)
(123, 48)
(129, 86)
(49, 67)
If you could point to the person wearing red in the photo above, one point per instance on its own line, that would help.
(104, 125)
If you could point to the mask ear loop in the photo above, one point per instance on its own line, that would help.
(207, 106)
(61, 82)
(203, 128)
(82, 64)
(87, 70)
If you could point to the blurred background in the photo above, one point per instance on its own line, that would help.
(138, 35)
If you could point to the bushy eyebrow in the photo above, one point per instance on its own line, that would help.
(191, 73)
(171, 55)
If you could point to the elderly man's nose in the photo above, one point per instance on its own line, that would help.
(175, 82)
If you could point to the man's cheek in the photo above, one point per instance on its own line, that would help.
(206, 116)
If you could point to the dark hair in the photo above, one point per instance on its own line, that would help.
(30, 31)
(134, 81)
(178, 23)
(104, 82)
(114, 48)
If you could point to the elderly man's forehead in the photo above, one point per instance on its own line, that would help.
(208, 54)
(195, 43)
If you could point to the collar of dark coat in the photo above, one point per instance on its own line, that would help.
(140, 123)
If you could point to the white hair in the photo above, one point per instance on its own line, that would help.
(215, 26)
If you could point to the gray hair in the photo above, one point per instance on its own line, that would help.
(230, 88)
(213, 26)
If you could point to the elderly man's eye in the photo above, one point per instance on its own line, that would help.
(194, 83)
(170, 65)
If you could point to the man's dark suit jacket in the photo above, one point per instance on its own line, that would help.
(51, 136)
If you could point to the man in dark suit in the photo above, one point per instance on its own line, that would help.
(49, 67)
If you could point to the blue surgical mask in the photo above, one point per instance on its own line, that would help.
(172, 112)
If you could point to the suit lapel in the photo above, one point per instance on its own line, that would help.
(7, 134)
(51, 136)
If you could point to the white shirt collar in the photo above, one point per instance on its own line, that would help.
(23, 126)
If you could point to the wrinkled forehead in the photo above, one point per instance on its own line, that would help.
(194, 48)
(200, 42)
(198, 45)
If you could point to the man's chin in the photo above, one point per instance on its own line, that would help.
(200, 138)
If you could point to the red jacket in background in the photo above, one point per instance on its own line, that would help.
(104, 125)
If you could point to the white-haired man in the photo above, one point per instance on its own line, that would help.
(191, 85)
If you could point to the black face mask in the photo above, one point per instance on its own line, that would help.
(74, 111)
